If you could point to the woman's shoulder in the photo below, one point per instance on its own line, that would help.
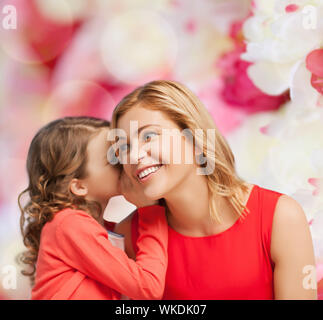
(282, 208)
(289, 211)
(283, 214)
(268, 198)
(290, 228)
(263, 203)
(268, 191)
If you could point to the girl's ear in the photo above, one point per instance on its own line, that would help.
(78, 187)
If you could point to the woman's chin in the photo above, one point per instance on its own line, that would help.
(153, 194)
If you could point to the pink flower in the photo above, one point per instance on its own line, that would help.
(314, 63)
(226, 117)
(318, 184)
(40, 39)
(239, 91)
(291, 8)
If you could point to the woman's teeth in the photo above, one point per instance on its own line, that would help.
(146, 172)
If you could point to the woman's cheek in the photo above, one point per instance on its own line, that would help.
(177, 150)
(158, 154)
(167, 149)
(127, 169)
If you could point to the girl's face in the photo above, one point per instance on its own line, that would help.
(154, 141)
(102, 180)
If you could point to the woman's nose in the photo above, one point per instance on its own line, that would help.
(141, 155)
(138, 154)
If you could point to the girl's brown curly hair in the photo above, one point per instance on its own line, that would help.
(57, 154)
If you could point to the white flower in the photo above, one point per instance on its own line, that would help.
(283, 151)
(279, 36)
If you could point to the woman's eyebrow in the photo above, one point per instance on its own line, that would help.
(139, 130)
(147, 125)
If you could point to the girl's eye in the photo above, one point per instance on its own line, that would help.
(149, 135)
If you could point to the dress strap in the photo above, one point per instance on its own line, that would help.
(267, 201)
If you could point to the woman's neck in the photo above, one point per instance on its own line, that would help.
(188, 209)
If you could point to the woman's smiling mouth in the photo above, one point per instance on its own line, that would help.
(144, 174)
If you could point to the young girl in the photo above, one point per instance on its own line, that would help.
(70, 184)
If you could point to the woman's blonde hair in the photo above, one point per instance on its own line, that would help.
(188, 112)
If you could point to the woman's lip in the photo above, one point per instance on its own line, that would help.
(144, 168)
(144, 179)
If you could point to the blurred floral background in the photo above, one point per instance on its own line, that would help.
(256, 65)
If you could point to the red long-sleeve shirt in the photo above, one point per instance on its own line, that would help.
(77, 261)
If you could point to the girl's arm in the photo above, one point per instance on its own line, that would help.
(124, 228)
(292, 252)
(83, 244)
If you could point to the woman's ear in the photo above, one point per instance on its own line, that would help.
(78, 187)
(199, 156)
(198, 149)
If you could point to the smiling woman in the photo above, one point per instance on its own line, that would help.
(228, 239)
(165, 113)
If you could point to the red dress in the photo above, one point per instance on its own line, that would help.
(233, 264)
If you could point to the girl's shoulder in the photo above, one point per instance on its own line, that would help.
(74, 221)
(69, 216)
(69, 225)
(59, 215)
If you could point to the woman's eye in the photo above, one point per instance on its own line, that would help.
(123, 148)
(149, 135)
